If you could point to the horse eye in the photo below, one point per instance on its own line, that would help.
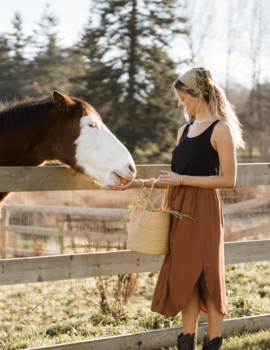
(92, 125)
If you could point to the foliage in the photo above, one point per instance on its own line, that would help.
(129, 74)
(150, 207)
(49, 64)
(13, 64)
(6, 90)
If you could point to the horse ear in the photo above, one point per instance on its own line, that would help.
(62, 101)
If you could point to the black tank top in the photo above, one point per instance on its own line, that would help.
(195, 155)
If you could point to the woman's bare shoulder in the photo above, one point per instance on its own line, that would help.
(222, 135)
(223, 128)
(180, 133)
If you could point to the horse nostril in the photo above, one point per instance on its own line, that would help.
(131, 168)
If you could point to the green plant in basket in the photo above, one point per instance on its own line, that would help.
(173, 212)
(149, 207)
(124, 218)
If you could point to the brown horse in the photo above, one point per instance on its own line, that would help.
(65, 129)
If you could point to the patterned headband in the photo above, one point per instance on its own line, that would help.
(197, 79)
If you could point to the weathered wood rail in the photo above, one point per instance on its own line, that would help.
(160, 338)
(64, 267)
(108, 215)
(60, 178)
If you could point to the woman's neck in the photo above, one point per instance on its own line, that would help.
(203, 113)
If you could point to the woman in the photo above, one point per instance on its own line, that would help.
(192, 275)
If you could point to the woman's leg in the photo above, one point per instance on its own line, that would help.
(191, 312)
(214, 316)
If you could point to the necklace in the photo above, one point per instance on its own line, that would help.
(201, 121)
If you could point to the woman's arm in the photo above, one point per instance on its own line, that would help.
(158, 184)
(136, 184)
(218, 181)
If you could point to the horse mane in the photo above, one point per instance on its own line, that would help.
(15, 115)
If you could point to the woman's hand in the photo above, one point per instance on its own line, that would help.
(169, 178)
(130, 184)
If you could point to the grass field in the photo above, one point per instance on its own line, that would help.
(57, 312)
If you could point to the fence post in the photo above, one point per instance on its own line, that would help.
(203, 317)
(2, 236)
(5, 222)
(61, 219)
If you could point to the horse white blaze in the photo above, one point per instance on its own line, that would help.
(101, 155)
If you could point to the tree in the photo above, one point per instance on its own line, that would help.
(235, 12)
(48, 67)
(257, 48)
(102, 86)
(161, 117)
(75, 69)
(14, 62)
(124, 72)
(6, 92)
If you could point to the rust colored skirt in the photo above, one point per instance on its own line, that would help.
(195, 247)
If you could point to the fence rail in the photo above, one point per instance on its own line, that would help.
(64, 267)
(60, 178)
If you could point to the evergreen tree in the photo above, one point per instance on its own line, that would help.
(130, 75)
(48, 67)
(103, 88)
(13, 47)
(5, 68)
(161, 117)
(75, 67)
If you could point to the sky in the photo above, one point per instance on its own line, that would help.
(74, 14)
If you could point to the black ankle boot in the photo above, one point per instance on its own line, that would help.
(187, 342)
(214, 344)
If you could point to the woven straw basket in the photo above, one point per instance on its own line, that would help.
(149, 230)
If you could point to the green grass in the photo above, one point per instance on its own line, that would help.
(248, 341)
(42, 314)
(245, 341)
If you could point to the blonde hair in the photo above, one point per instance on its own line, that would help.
(219, 107)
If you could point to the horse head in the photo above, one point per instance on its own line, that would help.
(87, 144)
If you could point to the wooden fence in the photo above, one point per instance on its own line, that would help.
(65, 267)
(108, 219)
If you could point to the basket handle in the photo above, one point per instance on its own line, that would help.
(140, 197)
(164, 203)
(150, 193)
(142, 192)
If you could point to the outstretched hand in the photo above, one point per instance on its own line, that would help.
(130, 184)
(169, 178)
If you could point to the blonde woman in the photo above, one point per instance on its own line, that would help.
(192, 275)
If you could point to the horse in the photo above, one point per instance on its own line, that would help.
(64, 129)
